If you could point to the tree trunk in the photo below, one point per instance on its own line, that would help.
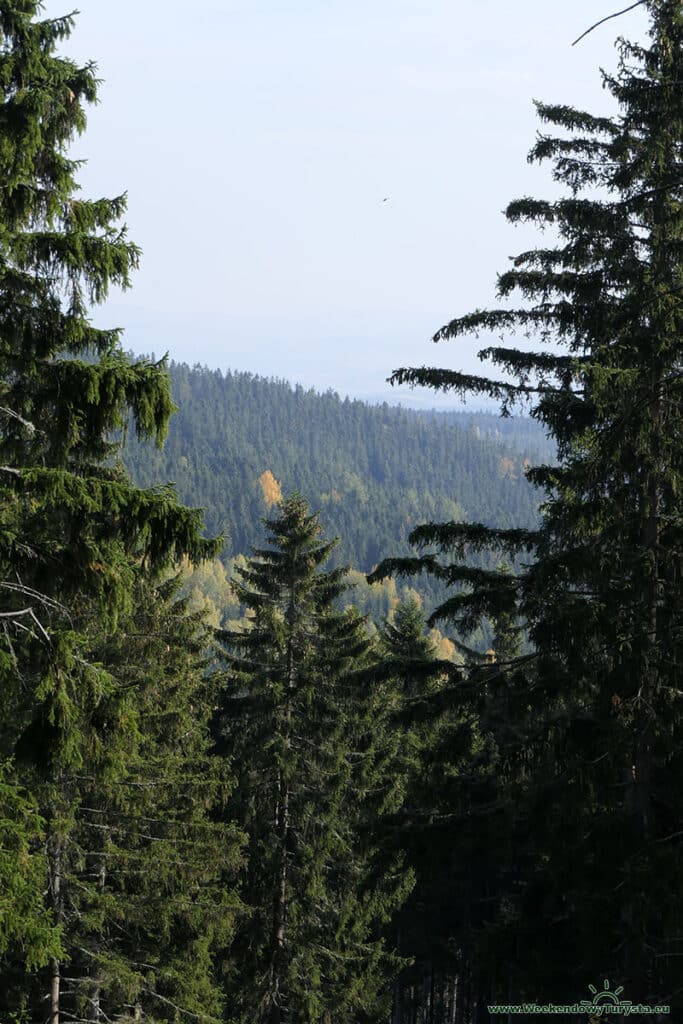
(396, 1005)
(55, 855)
(431, 993)
(96, 1009)
(638, 791)
(456, 1010)
(55, 980)
(280, 907)
(468, 997)
(282, 825)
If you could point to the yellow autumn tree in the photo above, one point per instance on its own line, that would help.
(270, 488)
(208, 588)
(445, 648)
(506, 468)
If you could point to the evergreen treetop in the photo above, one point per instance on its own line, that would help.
(598, 584)
(74, 531)
(305, 735)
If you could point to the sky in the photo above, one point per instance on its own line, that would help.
(259, 139)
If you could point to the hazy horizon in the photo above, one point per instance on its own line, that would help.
(258, 143)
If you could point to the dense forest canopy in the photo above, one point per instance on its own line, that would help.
(373, 470)
(229, 796)
(239, 441)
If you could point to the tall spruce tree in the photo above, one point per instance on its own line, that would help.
(457, 727)
(410, 663)
(302, 729)
(147, 907)
(600, 794)
(73, 528)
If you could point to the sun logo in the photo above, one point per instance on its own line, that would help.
(602, 996)
(606, 995)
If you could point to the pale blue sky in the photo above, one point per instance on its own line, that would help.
(258, 139)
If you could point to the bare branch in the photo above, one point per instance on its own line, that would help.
(16, 614)
(15, 618)
(24, 619)
(617, 14)
(15, 416)
(36, 595)
(179, 1009)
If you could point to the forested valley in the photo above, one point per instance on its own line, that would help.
(389, 733)
(373, 473)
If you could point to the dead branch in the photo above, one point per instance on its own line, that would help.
(179, 1009)
(30, 428)
(617, 14)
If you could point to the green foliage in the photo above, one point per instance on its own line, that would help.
(24, 920)
(209, 590)
(404, 639)
(304, 731)
(373, 470)
(578, 743)
(416, 684)
(76, 535)
(145, 905)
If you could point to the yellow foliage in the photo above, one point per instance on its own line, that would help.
(208, 588)
(506, 469)
(199, 602)
(270, 488)
(445, 648)
(410, 594)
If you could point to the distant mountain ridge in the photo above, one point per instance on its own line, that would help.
(374, 471)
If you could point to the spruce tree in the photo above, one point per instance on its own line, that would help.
(404, 638)
(601, 588)
(66, 386)
(416, 681)
(74, 531)
(147, 904)
(301, 727)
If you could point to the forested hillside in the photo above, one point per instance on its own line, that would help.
(226, 797)
(373, 471)
(519, 432)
